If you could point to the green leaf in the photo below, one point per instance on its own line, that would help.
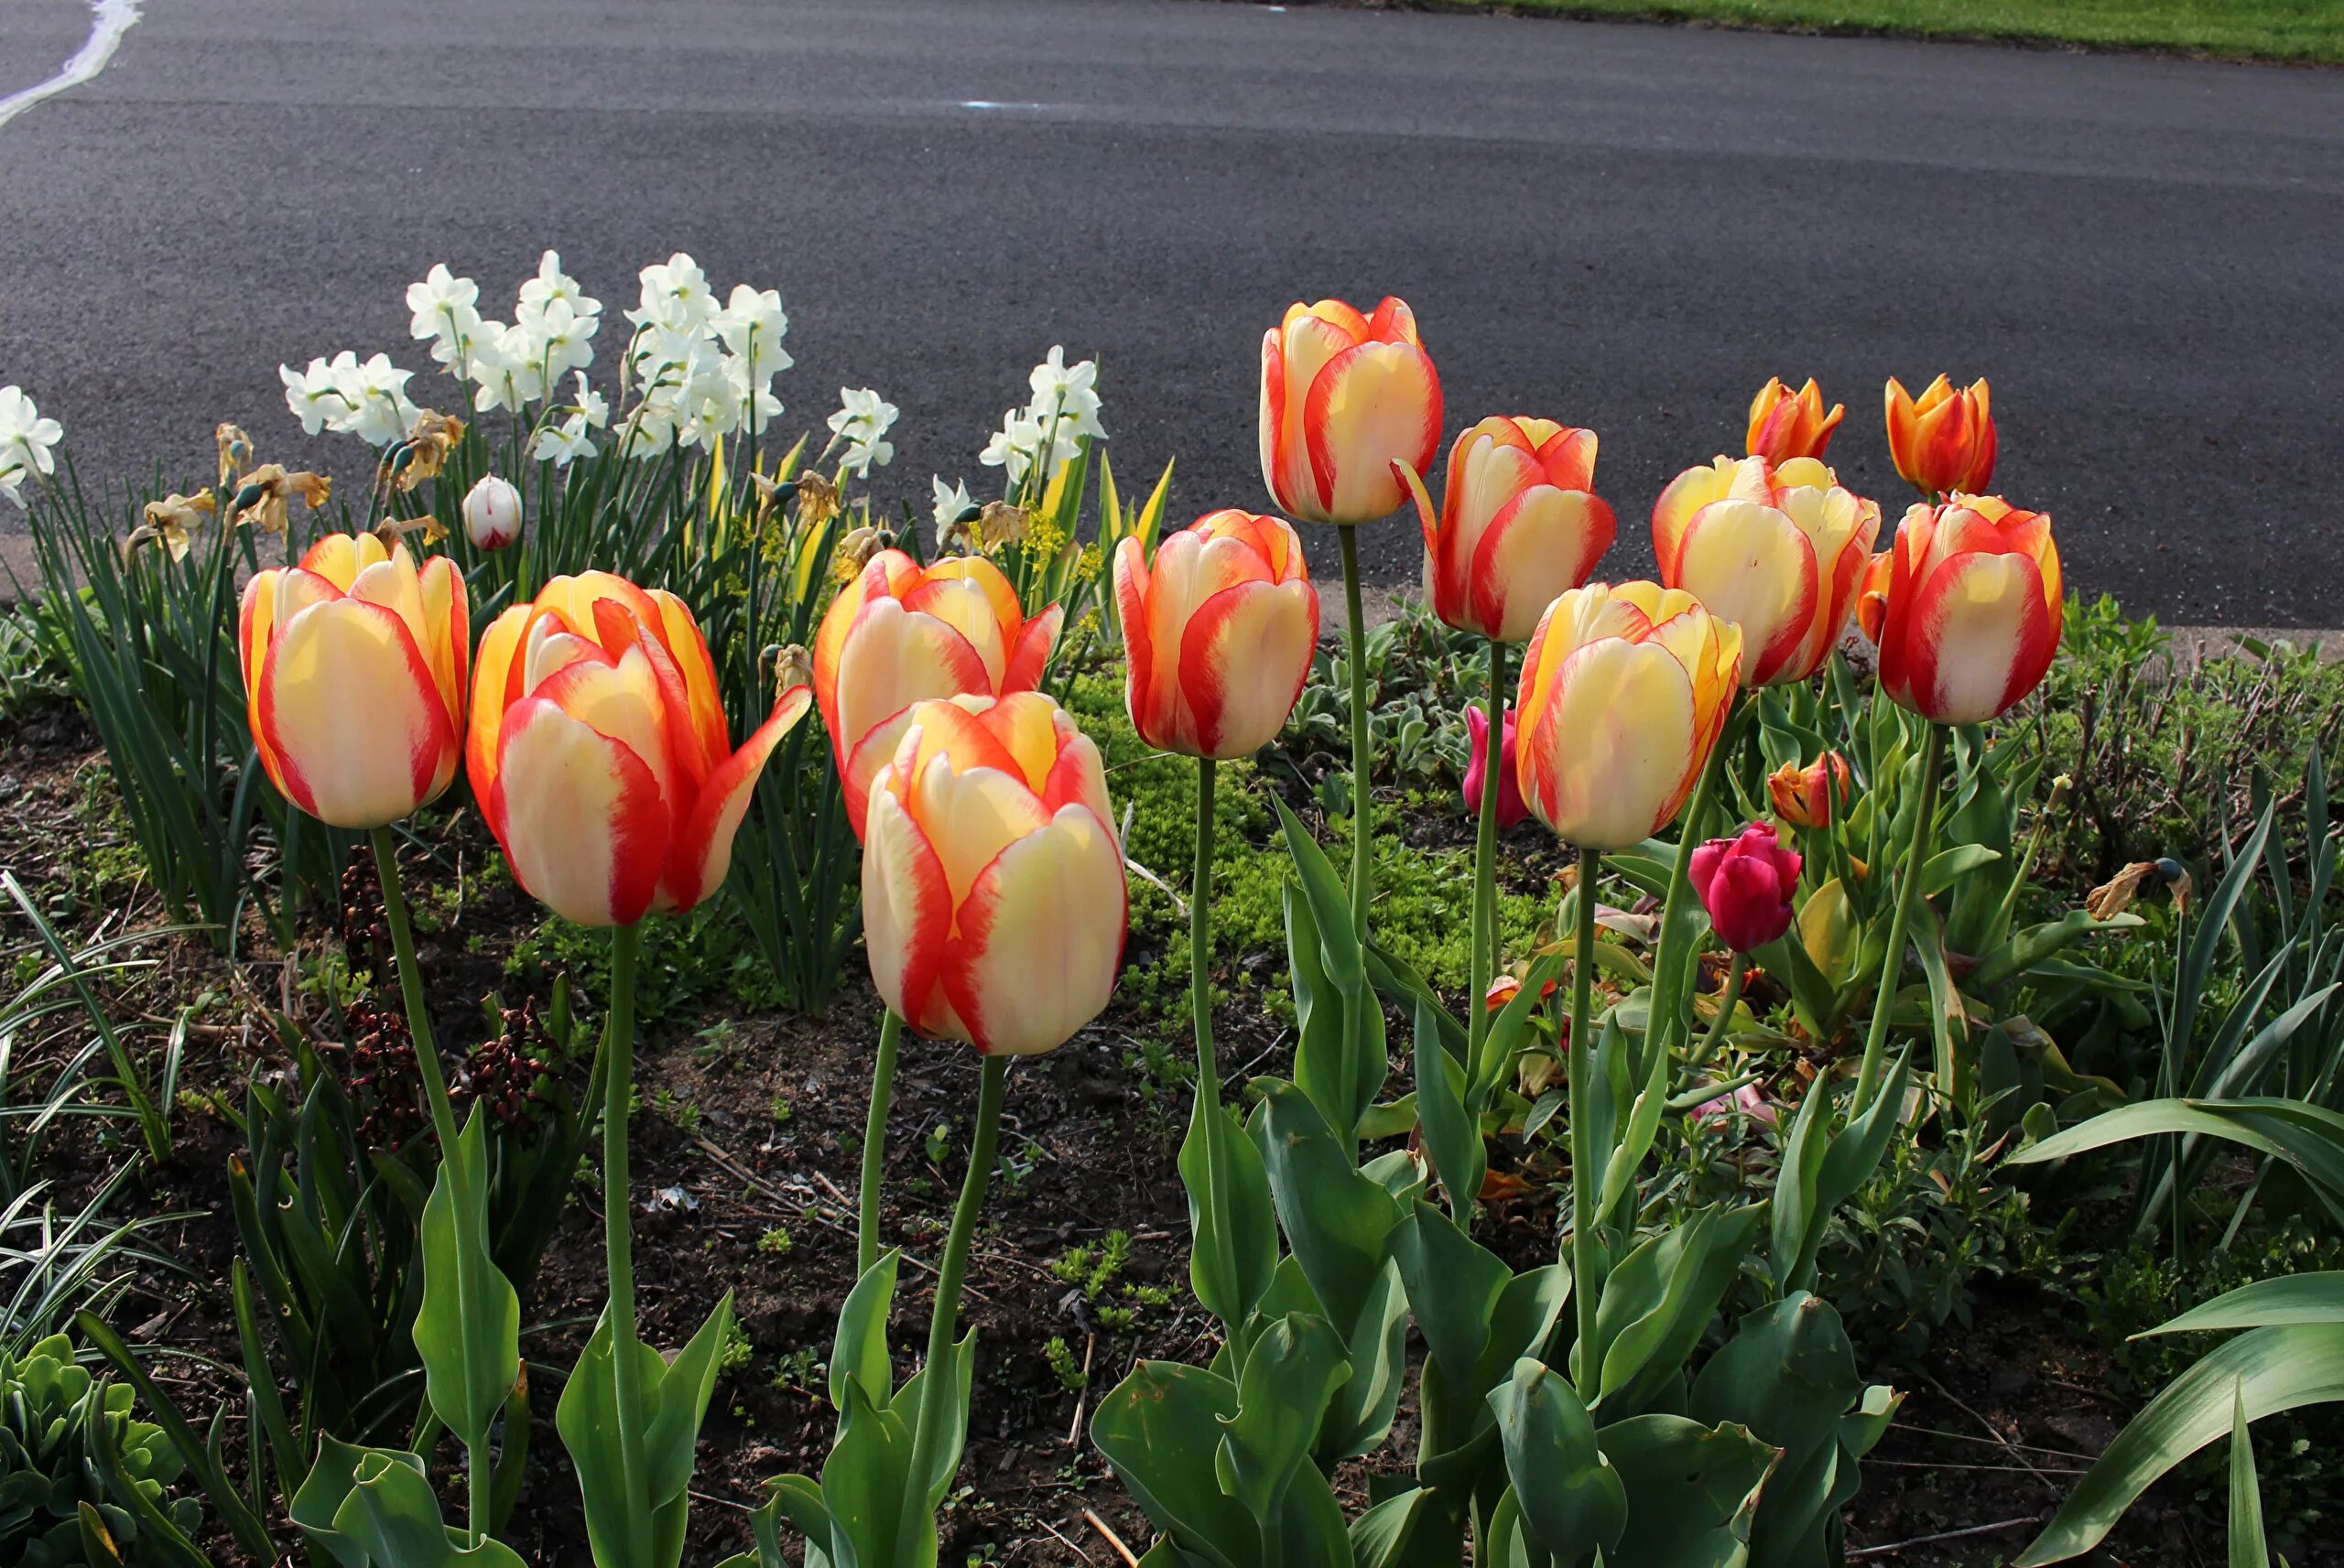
(1290, 1373)
(674, 1397)
(1571, 1497)
(1229, 1213)
(2036, 943)
(2248, 1548)
(469, 1329)
(1452, 1133)
(1692, 1491)
(1658, 1300)
(1158, 1429)
(1947, 867)
(2307, 1137)
(385, 1514)
(859, 1350)
(1380, 1536)
(865, 1482)
(1338, 1221)
(1453, 1285)
(2263, 1372)
(2291, 1298)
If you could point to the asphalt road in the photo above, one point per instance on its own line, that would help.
(1624, 227)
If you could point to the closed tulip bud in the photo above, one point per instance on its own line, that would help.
(354, 668)
(1745, 882)
(1944, 441)
(1516, 525)
(1785, 424)
(491, 514)
(599, 754)
(1966, 606)
(1510, 808)
(899, 632)
(993, 901)
(1218, 634)
(1624, 694)
(1778, 549)
(1814, 795)
(1344, 396)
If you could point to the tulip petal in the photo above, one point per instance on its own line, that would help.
(1373, 402)
(340, 558)
(1750, 564)
(1606, 762)
(965, 606)
(1243, 658)
(351, 711)
(1041, 938)
(1541, 545)
(1980, 637)
(448, 617)
(906, 912)
(969, 818)
(255, 628)
(623, 701)
(893, 659)
(1031, 656)
(680, 634)
(1292, 357)
(579, 815)
(702, 853)
(500, 652)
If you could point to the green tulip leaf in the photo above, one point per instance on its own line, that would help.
(1452, 1133)
(859, 1350)
(674, 1397)
(1692, 1491)
(1453, 1285)
(2291, 1298)
(1657, 1302)
(1291, 1372)
(467, 1331)
(1338, 1221)
(865, 1483)
(1569, 1496)
(1232, 1221)
(1158, 1429)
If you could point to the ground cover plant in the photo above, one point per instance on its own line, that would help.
(620, 1001)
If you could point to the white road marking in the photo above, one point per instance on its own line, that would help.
(111, 19)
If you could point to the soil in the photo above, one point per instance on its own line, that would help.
(1991, 1436)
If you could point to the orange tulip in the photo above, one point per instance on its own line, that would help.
(1343, 396)
(993, 901)
(1785, 424)
(599, 754)
(1811, 797)
(1778, 550)
(1218, 634)
(1516, 525)
(899, 632)
(1966, 606)
(354, 666)
(1945, 441)
(1623, 695)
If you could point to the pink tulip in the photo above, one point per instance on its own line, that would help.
(1747, 1099)
(1745, 884)
(1510, 805)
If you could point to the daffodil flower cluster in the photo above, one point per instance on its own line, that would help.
(508, 367)
(341, 394)
(861, 425)
(1063, 409)
(25, 441)
(700, 371)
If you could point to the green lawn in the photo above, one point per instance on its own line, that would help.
(2306, 30)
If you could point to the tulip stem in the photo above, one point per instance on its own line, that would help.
(1214, 1215)
(1485, 857)
(617, 1240)
(1585, 1168)
(443, 1123)
(1362, 837)
(874, 1144)
(937, 1384)
(1673, 954)
(1726, 1002)
(1900, 922)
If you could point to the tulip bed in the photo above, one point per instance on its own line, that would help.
(672, 1019)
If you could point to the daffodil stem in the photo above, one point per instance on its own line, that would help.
(1485, 857)
(1362, 833)
(618, 1217)
(1909, 886)
(1727, 999)
(443, 1123)
(1585, 1166)
(874, 1144)
(936, 1382)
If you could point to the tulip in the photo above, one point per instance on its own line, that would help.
(1749, 1099)
(900, 632)
(1515, 526)
(1745, 882)
(1343, 396)
(1622, 696)
(598, 750)
(992, 887)
(491, 514)
(354, 666)
(1811, 797)
(1510, 808)
(1966, 606)
(1785, 424)
(1218, 634)
(1945, 441)
(1778, 549)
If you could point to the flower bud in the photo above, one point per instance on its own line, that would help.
(1814, 795)
(492, 513)
(1745, 884)
(1512, 808)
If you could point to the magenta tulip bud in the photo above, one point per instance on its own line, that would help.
(1511, 807)
(1745, 884)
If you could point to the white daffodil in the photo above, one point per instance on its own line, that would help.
(1066, 396)
(25, 441)
(590, 405)
(675, 296)
(315, 394)
(861, 422)
(553, 287)
(753, 325)
(953, 503)
(444, 307)
(562, 337)
(564, 444)
(380, 411)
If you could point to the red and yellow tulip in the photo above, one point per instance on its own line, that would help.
(900, 632)
(1218, 634)
(1623, 695)
(1778, 549)
(1814, 795)
(994, 902)
(1785, 424)
(1944, 440)
(354, 668)
(1966, 606)
(599, 754)
(1344, 395)
(1516, 525)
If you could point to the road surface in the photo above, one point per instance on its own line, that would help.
(1619, 226)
